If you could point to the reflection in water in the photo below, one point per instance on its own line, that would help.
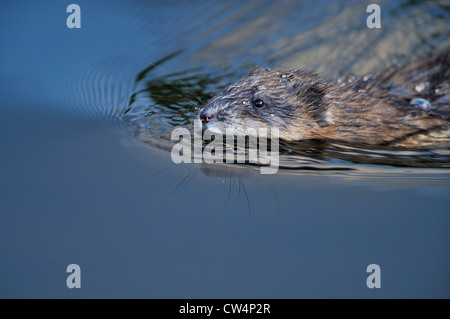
(436, 158)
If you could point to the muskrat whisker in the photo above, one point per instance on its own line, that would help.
(196, 96)
(184, 181)
(277, 201)
(239, 191)
(229, 191)
(159, 172)
(246, 197)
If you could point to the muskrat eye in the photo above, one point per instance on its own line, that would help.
(258, 103)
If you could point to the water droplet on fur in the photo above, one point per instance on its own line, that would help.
(366, 77)
(362, 91)
(422, 86)
(421, 103)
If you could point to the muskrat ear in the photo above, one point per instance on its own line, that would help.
(316, 91)
(257, 70)
(312, 93)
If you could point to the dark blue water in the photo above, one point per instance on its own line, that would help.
(80, 184)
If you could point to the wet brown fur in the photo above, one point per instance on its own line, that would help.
(371, 110)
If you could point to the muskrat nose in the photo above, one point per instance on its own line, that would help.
(205, 117)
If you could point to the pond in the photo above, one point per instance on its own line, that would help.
(86, 175)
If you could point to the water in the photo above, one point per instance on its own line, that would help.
(85, 176)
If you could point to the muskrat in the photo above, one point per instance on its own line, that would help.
(403, 106)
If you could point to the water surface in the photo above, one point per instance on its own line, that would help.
(86, 178)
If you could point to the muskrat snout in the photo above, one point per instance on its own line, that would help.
(205, 116)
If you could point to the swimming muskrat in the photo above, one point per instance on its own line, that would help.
(403, 106)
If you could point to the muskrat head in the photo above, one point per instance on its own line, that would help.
(290, 101)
